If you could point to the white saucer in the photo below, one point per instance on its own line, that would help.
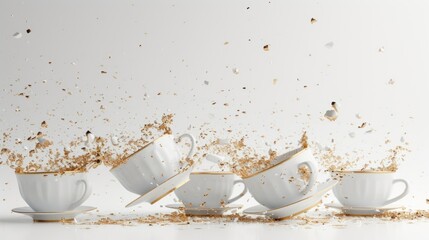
(296, 208)
(204, 211)
(163, 189)
(52, 216)
(361, 211)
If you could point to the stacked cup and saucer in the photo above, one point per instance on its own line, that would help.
(53, 196)
(366, 193)
(209, 194)
(155, 170)
(280, 189)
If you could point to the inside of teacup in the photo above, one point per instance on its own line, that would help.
(252, 167)
(125, 159)
(287, 155)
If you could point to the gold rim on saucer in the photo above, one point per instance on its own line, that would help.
(65, 212)
(302, 211)
(165, 194)
(70, 220)
(275, 165)
(270, 210)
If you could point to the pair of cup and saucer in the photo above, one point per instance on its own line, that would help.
(155, 170)
(366, 193)
(282, 190)
(53, 196)
(209, 194)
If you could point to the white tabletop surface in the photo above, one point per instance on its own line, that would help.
(14, 226)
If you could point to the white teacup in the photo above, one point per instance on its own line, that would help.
(53, 191)
(281, 184)
(152, 165)
(366, 188)
(209, 190)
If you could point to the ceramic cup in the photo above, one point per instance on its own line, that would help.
(282, 184)
(366, 188)
(53, 191)
(209, 190)
(152, 165)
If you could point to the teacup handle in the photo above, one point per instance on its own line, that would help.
(191, 151)
(231, 200)
(312, 180)
(403, 194)
(85, 194)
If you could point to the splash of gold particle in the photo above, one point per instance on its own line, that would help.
(304, 140)
(78, 157)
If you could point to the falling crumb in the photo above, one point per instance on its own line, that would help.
(17, 35)
(381, 50)
(358, 116)
(28, 30)
(274, 81)
(114, 140)
(235, 71)
(304, 140)
(44, 124)
(329, 45)
(331, 115)
(266, 48)
(89, 138)
(362, 125)
(352, 134)
(334, 106)
(391, 82)
(206, 82)
(223, 141)
(313, 20)
(103, 72)
(304, 173)
(225, 43)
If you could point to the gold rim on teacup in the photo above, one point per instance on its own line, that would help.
(140, 149)
(212, 173)
(52, 172)
(275, 165)
(362, 171)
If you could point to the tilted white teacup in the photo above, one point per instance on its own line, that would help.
(282, 184)
(54, 191)
(209, 190)
(152, 165)
(366, 188)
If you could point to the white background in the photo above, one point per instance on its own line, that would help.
(182, 46)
